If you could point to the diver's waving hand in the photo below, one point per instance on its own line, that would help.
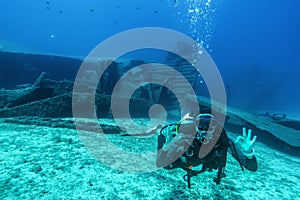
(245, 142)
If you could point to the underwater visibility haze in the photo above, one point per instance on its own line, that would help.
(254, 43)
(57, 95)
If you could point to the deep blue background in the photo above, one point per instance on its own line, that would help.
(255, 43)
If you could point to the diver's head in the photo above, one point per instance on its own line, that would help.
(205, 124)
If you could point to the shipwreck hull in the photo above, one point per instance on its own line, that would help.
(42, 86)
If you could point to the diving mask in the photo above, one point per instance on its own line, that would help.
(205, 125)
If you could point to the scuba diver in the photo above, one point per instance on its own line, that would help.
(197, 140)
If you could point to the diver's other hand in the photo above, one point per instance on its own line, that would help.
(171, 151)
(188, 116)
(245, 141)
(178, 145)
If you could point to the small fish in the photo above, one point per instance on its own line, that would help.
(47, 2)
(91, 10)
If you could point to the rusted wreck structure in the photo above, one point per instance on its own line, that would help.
(44, 94)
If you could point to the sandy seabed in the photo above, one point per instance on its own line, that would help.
(38, 162)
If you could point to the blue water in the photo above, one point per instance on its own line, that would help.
(255, 43)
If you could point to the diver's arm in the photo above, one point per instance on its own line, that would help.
(171, 151)
(249, 161)
(177, 140)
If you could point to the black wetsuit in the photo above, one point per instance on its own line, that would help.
(214, 159)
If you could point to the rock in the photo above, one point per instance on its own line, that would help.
(58, 106)
(85, 124)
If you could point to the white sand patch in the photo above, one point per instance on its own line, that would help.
(52, 163)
